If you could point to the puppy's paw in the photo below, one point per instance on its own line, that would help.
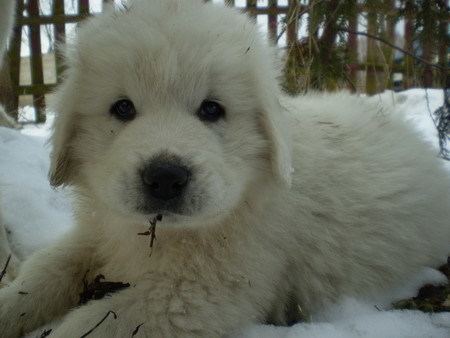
(14, 315)
(82, 323)
(9, 270)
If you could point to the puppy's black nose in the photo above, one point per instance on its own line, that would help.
(165, 181)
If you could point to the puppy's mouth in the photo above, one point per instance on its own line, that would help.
(166, 211)
(188, 205)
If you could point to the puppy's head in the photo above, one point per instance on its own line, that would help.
(169, 107)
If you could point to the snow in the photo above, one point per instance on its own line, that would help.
(417, 106)
(353, 319)
(37, 215)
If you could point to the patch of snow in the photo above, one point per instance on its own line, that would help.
(410, 287)
(33, 212)
(39, 130)
(353, 319)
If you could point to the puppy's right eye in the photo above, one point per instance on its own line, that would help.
(210, 111)
(123, 110)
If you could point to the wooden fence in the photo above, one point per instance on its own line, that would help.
(282, 20)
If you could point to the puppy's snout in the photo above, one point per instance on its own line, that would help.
(165, 181)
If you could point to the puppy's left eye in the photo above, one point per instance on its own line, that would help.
(123, 110)
(210, 111)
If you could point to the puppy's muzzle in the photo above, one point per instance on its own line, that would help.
(165, 181)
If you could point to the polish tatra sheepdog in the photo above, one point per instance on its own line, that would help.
(209, 198)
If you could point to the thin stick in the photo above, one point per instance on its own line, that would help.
(46, 333)
(136, 330)
(371, 36)
(157, 219)
(152, 231)
(99, 323)
(3, 273)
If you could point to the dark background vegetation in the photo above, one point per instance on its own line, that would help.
(360, 45)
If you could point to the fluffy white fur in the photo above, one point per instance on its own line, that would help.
(12, 262)
(367, 204)
(6, 23)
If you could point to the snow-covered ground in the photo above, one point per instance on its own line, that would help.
(36, 215)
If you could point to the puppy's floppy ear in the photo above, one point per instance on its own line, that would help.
(62, 162)
(275, 127)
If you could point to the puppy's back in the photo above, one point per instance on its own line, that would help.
(373, 198)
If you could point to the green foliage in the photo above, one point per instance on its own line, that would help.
(304, 69)
(321, 61)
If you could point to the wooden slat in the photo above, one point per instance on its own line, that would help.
(292, 22)
(14, 58)
(371, 72)
(442, 56)
(60, 36)
(352, 48)
(72, 18)
(272, 21)
(251, 7)
(50, 19)
(408, 78)
(267, 10)
(83, 7)
(34, 89)
(37, 74)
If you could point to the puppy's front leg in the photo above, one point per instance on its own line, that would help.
(160, 307)
(118, 315)
(8, 261)
(48, 285)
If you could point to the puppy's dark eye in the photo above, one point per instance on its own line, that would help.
(123, 110)
(210, 111)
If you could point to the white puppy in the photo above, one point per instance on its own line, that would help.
(171, 107)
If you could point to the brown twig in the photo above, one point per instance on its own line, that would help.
(45, 333)
(99, 323)
(98, 289)
(136, 330)
(291, 20)
(371, 36)
(3, 273)
(152, 231)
